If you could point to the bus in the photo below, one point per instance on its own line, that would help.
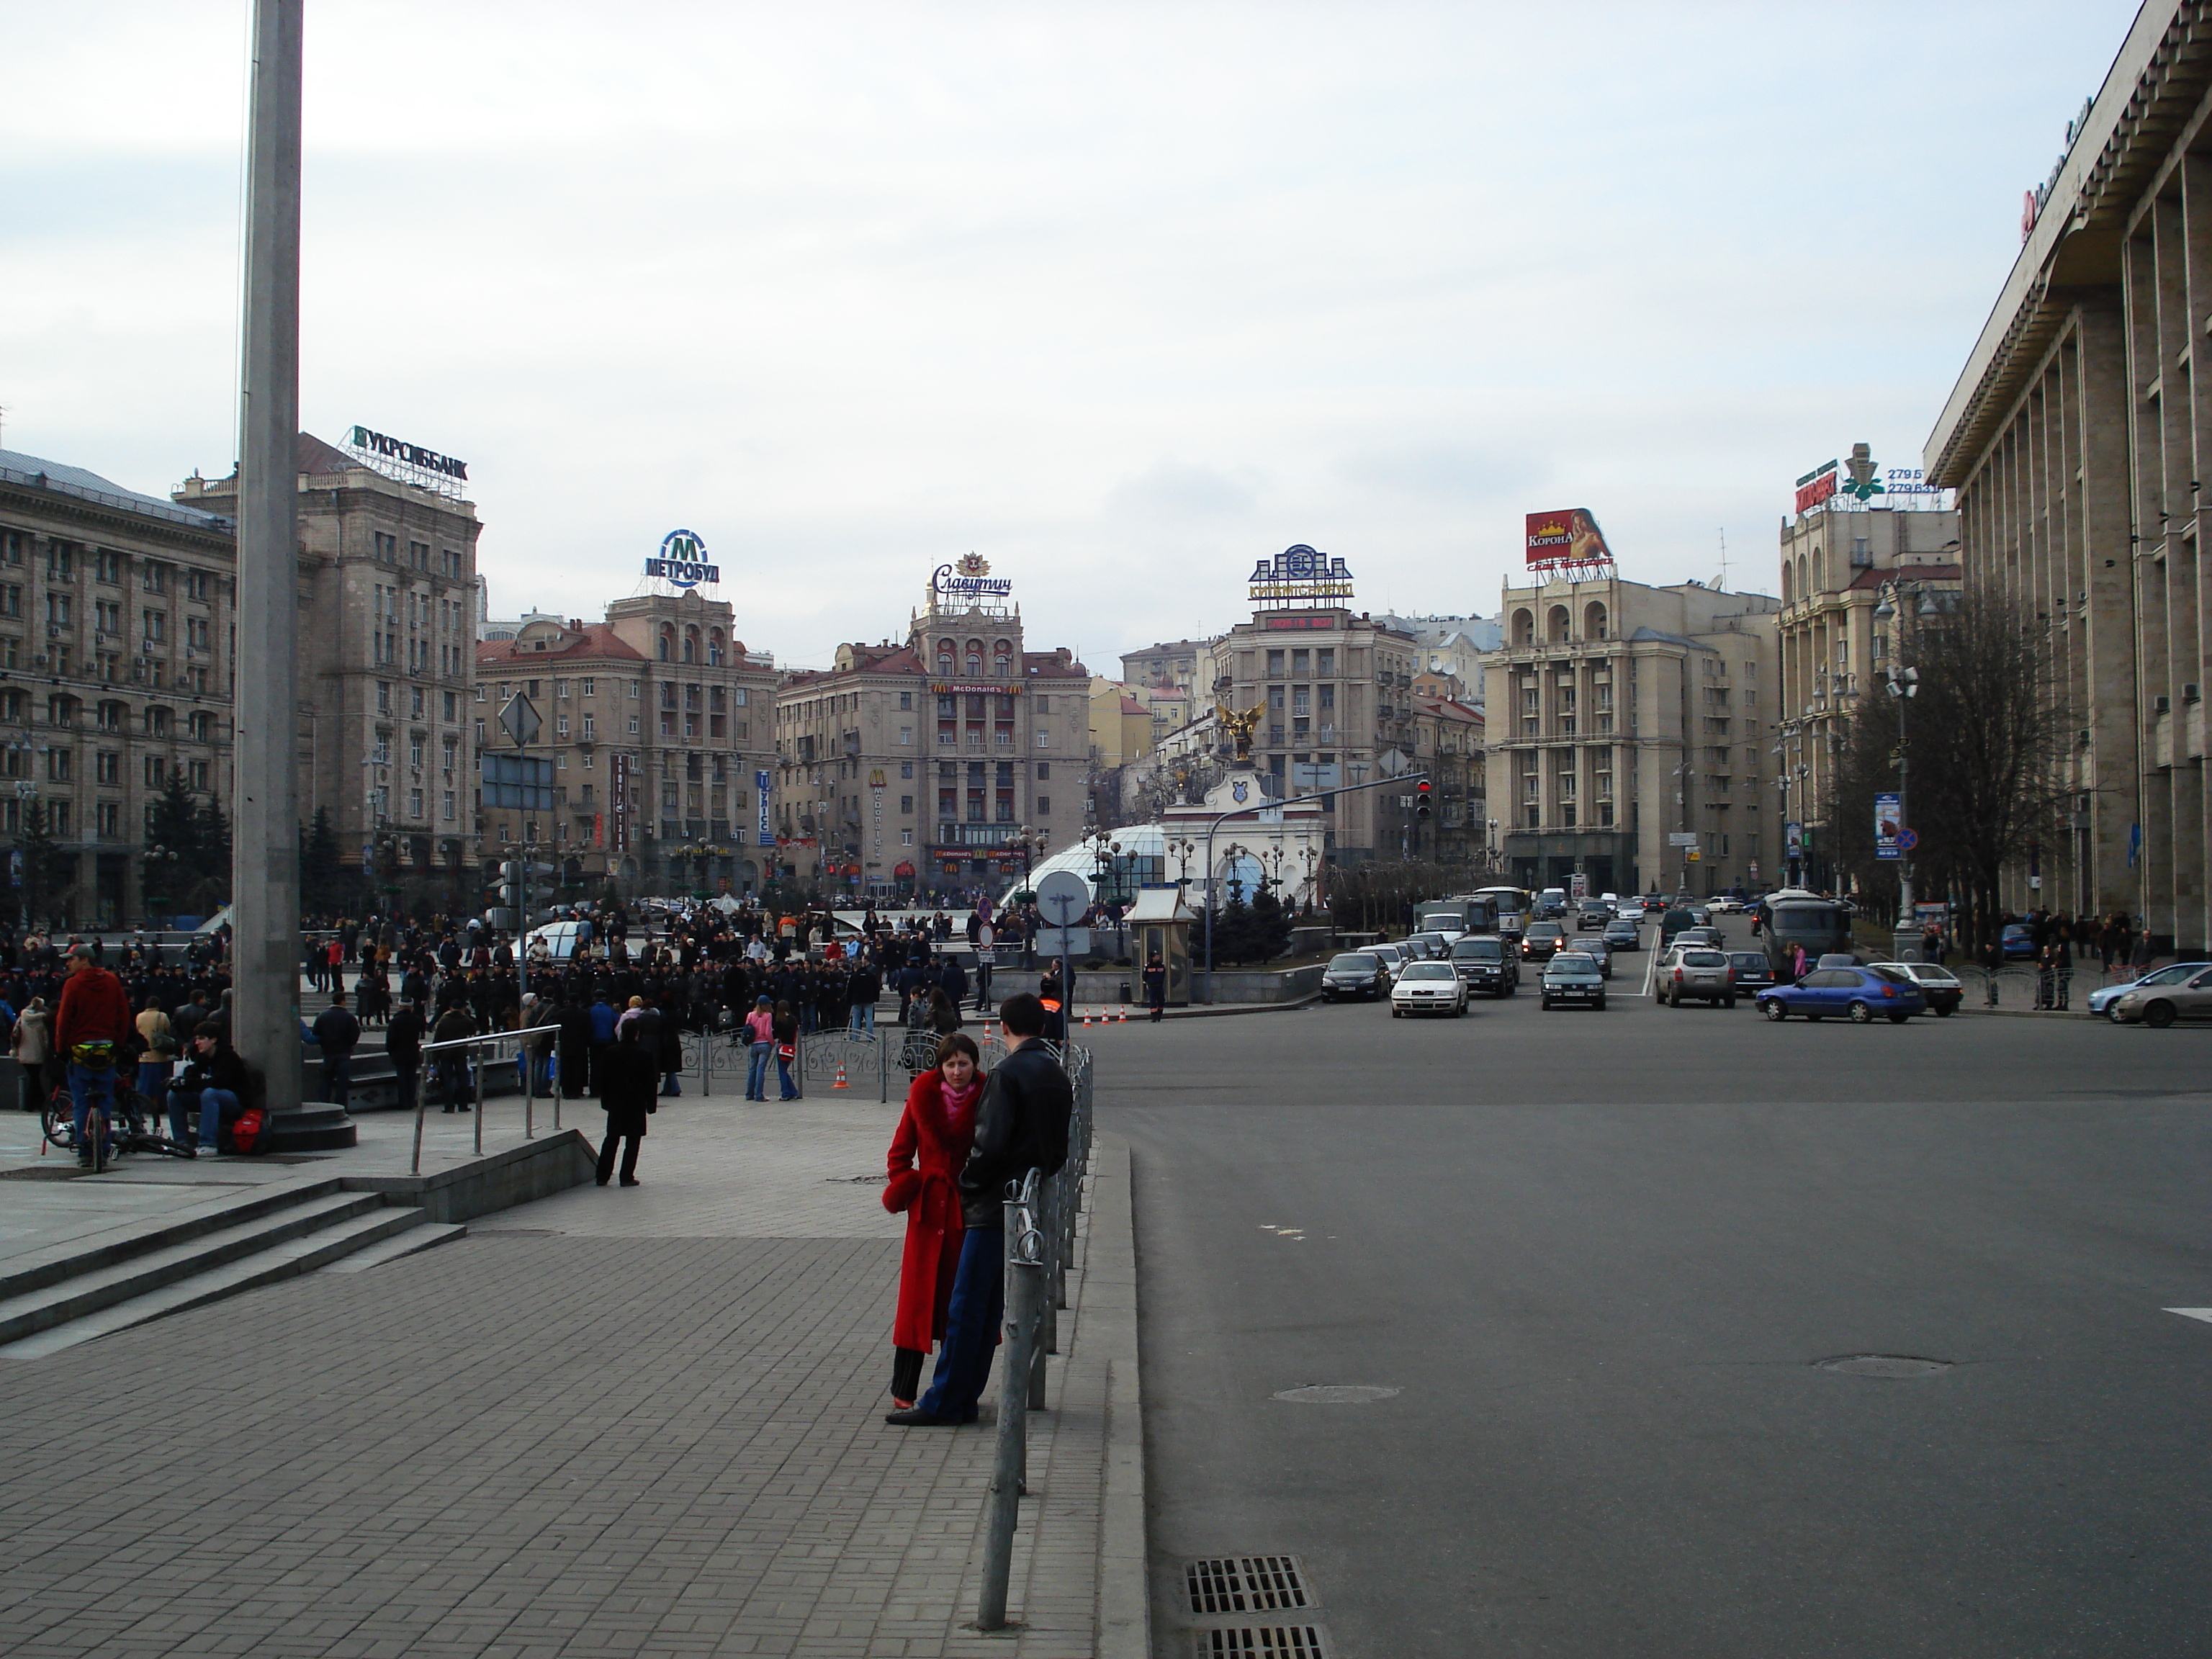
(1793, 916)
(1511, 905)
(1467, 913)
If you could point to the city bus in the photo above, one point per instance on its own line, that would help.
(1467, 913)
(1511, 905)
(1793, 916)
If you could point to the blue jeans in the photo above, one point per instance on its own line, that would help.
(153, 1078)
(756, 1071)
(212, 1104)
(972, 1327)
(864, 1018)
(783, 1075)
(84, 1080)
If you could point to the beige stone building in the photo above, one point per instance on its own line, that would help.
(115, 671)
(2078, 448)
(1840, 562)
(386, 654)
(1621, 715)
(938, 764)
(658, 722)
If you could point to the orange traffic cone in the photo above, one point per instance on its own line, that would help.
(841, 1083)
(1122, 1018)
(1086, 1017)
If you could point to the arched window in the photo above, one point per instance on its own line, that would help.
(975, 659)
(944, 659)
(1524, 628)
(1557, 624)
(691, 645)
(1786, 583)
(667, 641)
(1002, 658)
(715, 647)
(1593, 621)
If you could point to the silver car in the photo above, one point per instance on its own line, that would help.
(2160, 1006)
(1695, 973)
(2102, 998)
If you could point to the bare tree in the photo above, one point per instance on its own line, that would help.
(1985, 744)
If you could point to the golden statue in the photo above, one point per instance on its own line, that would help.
(1239, 726)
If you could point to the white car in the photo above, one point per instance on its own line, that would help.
(1428, 987)
(1724, 906)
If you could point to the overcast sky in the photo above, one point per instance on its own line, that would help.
(1122, 298)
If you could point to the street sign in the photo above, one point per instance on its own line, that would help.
(1062, 897)
(519, 719)
(1063, 942)
(1682, 838)
(1907, 840)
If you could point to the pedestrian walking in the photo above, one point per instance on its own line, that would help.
(1021, 1125)
(1156, 988)
(926, 1154)
(628, 1081)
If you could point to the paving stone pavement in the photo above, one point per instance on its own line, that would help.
(612, 1423)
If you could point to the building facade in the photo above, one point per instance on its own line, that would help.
(1629, 736)
(2076, 443)
(388, 596)
(116, 677)
(658, 722)
(1840, 562)
(937, 765)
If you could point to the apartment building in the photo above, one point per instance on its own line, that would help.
(939, 763)
(658, 722)
(2078, 448)
(1842, 563)
(1629, 736)
(116, 634)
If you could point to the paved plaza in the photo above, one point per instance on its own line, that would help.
(611, 1422)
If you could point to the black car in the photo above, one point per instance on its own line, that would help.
(1751, 969)
(1622, 935)
(1354, 976)
(1543, 939)
(1571, 981)
(1490, 966)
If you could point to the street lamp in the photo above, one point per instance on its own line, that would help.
(1904, 684)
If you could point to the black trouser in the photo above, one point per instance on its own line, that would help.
(630, 1156)
(575, 1070)
(905, 1373)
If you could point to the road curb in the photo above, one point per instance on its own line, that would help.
(1109, 1318)
(1200, 1010)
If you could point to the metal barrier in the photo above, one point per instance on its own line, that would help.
(1039, 1233)
(712, 1053)
(494, 1043)
(2024, 985)
(845, 1054)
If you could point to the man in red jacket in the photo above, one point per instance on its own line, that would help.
(90, 1029)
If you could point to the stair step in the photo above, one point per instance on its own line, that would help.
(127, 1240)
(24, 1314)
(429, 1236)
(287, 1258)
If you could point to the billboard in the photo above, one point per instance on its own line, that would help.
(1816, 486)
(1888, 819)
(1568, 539)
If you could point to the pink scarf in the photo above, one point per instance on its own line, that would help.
(958, 1103)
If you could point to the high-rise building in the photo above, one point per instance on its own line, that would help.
(1629, 736)
(2078, 449)
(115, 675)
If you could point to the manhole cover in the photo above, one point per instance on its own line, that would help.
(1272, 1641)
(1893, 1367)
(1245, 1583)
(1335, 1394)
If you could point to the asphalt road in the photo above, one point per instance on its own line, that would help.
(1600, 1256)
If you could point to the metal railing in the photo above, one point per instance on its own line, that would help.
(1039, 1233)
(493, 1043)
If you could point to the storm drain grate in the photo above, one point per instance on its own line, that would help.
(1281, 1641)
(1245, 1583)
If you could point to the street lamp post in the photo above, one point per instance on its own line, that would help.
(1903, 683)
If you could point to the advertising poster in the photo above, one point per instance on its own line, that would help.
(1568, 539)
(1888, 819)
(766, 832)
(619, 806)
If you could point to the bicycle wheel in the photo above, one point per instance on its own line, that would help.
(60, 1122)
(95, 1134)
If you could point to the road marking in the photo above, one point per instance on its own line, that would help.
(2204, 1314)
(1650, 965)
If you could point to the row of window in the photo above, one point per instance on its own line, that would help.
(107, 618)
(109, 567)
(386, 550)
(63, 709)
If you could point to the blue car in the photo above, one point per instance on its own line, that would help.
(1858, 994)
(2018, 939)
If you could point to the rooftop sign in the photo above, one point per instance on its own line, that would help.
(683, 560)
(1568, 540)
(1300, 573)
(971, 579)
(407, 463)
(1816, 486)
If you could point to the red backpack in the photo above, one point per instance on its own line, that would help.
(247, 1135)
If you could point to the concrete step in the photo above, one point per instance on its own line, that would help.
(144, 1272)
(429, 1236)
(287, 1258)
(128, 1239)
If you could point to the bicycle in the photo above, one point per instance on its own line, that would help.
(129, 1133)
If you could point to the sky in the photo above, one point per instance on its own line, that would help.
(1122, 298)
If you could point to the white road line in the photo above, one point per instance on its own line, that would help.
(2204, 1314)
(1650, 964)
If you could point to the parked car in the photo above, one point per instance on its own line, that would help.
(1752, 975)
(1354, 976)
(1857, 994)
(1541, 940)
(1428, 987)
(1694, 973)
(1487, 965)
(2160, 1006)
(2018, 939)
(1592, 915)
(1939, 987)
(1571, 981)
(2102, 998)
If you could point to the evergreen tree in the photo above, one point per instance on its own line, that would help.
(206, 885)
(324, 886)
(170, 825)
(1270, 925)
(41, 859)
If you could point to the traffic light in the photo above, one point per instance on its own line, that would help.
(1422, 790)
(510, 882)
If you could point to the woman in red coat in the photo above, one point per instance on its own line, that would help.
(926, 1152)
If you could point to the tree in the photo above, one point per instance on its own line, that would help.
(207, 887)
(42, 856)
(1985, 752)
(326, 886)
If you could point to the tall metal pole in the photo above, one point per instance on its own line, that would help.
(265, 873)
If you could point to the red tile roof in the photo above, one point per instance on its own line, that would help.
(597, 640)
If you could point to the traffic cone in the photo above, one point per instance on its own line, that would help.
(1122, 1018)
(1086, 1017)
(841, 1083)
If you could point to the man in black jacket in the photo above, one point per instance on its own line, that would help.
(1021, 1125)
(338, 1033)
(403, 1044)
